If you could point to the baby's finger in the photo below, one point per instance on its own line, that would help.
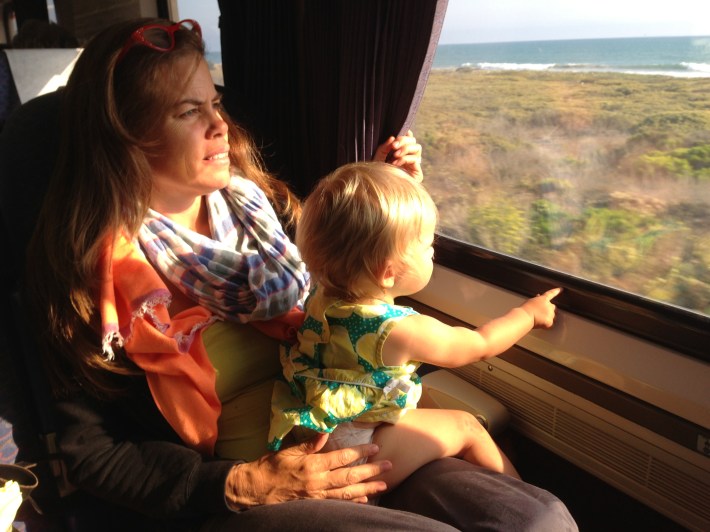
(552, 293)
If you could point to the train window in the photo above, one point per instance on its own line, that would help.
(577, 144)
(207, 14)
(51, 11)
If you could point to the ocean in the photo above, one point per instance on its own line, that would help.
(214, 58)
(668, 56)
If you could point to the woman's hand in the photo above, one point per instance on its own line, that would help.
(299, 472)
(402, 151)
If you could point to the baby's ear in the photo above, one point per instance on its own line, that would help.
(389, 275)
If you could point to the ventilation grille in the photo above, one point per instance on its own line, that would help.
(602, 447)
(683, 490)
(644, 476)
(522, 406)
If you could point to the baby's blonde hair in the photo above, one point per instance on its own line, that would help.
(358, 218)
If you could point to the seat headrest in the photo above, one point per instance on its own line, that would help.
(28, 152)
(9, 99)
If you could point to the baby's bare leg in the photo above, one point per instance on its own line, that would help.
(424, 435)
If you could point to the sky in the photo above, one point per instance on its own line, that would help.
(469, 21)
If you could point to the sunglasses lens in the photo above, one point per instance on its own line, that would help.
(157, 37)
(160, 38)
(191, 25)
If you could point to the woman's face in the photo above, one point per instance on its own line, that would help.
(194, 157)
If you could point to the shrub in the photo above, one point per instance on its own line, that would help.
(681, 162)
(670, 130)
(615, 241)
(499, 225)
(550, 225)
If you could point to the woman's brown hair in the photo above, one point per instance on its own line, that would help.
(111, 111)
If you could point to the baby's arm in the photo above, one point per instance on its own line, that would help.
(426, 339)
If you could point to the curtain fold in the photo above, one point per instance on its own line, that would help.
(320, 83)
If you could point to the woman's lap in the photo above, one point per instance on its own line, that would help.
(443, 494)
(324, 515)
(470, 497)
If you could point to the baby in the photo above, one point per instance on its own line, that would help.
(366, 235)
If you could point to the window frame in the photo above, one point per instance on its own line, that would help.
(673, 327)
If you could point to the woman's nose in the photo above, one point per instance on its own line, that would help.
(217, 124)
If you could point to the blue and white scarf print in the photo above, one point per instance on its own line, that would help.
(249, 270)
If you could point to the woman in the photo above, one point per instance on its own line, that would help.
(160, 237)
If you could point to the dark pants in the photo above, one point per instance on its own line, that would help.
(441, 495)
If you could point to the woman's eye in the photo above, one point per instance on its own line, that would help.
(219, 109)
(189, 113)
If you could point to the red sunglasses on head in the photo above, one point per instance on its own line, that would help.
(158, 37)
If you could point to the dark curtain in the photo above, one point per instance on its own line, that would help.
(320, 83)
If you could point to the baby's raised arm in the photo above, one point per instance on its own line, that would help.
(426, 339)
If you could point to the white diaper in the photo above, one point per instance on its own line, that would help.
(349, 435)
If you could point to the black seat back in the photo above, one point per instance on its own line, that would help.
(28, 149)
(9, 99)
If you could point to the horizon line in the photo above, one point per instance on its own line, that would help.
(702, 36)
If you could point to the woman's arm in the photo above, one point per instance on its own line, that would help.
(125, 453)
(426, 339)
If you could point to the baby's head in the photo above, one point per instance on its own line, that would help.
(359, 219)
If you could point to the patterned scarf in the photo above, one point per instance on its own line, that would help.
(250, 271)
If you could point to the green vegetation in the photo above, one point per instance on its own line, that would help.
(604, 176)
(681, 162)
(499, 225)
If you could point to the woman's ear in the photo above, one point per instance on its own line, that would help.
(389, 275)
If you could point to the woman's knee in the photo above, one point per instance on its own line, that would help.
(466, 496)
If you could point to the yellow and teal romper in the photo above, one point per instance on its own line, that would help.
(335, 374)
